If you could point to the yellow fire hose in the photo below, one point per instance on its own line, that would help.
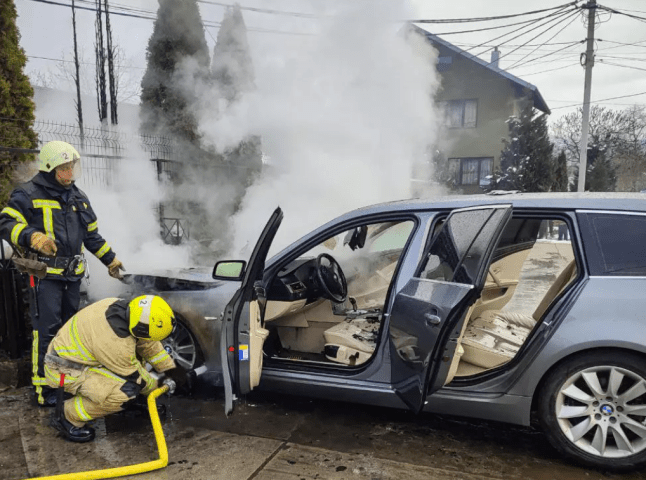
(161, 462)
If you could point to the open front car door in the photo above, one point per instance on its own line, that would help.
(243, 333)
(428, 313)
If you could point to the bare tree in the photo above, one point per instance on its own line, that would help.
(101, 97)
(113, 83)
(619, 135)
(77, 78)
(63, 76)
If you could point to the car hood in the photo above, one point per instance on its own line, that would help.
(195, 278)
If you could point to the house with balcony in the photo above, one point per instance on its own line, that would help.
(477, 98)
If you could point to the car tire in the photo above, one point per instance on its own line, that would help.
(183, 347)
(593, 409)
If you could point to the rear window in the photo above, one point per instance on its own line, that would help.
(614, 243)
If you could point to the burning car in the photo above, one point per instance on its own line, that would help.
(466, 306)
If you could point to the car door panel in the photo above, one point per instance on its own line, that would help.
(502, 280)
(243, 332)
(431, 303)
(431, 308)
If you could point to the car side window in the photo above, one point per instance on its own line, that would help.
(615, 243)
(457, 248)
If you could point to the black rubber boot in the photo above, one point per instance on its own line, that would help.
(70, 432)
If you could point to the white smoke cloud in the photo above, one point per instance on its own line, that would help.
(344, 115)
(128, 220)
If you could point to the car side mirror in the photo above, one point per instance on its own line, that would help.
(229, 270)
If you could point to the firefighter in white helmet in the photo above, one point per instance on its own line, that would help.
(99, 355)
(50, 218)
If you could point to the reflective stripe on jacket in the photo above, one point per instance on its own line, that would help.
(88, 339)
(64, 214)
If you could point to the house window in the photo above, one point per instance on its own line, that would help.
(471, 171)
(460, 113)
(444, 63)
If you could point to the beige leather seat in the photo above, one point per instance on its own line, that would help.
(495, 336)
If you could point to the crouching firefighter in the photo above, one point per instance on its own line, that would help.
(50, 220)
(99, 357)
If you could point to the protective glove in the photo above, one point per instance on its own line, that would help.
(179, 375)
(114, 267)
(43, 244)
(170, 384)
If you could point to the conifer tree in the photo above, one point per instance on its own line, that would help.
(233, 76)
(526, 162)
(16, 100)
(232, 68)
(177, 62)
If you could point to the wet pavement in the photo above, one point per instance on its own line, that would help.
(272, 436)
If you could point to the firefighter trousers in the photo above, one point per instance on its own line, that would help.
(53, 302)
(97, 392)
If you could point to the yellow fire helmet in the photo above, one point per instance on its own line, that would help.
(56, 153)
(151, 318)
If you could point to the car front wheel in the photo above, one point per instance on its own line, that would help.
(183, 347)
(593, 408)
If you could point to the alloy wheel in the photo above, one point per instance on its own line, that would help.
(602, 411)
(181, 346)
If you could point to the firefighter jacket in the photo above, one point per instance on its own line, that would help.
(64, 214)
(98, 336)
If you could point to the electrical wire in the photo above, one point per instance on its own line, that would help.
(558, 13)
(619, 12)
(620, 65)
(567, 14)
(499, 17)
(83, 63)
(551, 70)
(602, 100)
(622, 58)
(263, 10)
(153, 17)
(621, 44)
(534, 60)
(572, 18)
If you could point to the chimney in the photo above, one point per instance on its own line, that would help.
(495, 56)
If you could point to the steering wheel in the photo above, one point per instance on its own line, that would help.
(331, 278)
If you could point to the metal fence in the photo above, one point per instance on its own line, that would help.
(104, 149)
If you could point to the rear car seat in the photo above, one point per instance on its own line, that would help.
(495, 336)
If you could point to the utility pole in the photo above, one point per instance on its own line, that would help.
(587, 87)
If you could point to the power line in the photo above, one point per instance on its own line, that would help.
(620, 65)
(84, 63)
(533, 61)
(500, 17)
(566, 14)
(618, 12)
(152, 16)
(524, 22)
(557, 13)
(571, 18)
(623, 58)
(263, 10)
(602, 100)
(551, 70)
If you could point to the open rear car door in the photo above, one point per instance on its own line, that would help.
(243, 333)
(428, 313)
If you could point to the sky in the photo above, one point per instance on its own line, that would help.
(619, 69)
